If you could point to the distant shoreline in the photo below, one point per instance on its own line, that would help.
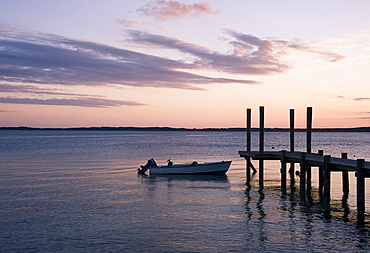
(235, 129)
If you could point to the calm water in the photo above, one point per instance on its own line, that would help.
(78, 191)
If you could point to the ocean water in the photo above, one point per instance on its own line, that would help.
(78, 191)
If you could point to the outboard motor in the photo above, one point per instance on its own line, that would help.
(143, 168)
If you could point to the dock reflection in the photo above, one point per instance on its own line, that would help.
(293, 204)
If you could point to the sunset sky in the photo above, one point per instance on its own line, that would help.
(193, 64)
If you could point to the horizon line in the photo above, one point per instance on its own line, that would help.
(236, 129)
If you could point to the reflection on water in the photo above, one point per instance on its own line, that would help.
(79, 192)
(206, 178)
(300, 224)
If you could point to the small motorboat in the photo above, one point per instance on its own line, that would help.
(182, 169)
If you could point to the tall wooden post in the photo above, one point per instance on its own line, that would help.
(327, 176)
(248, 160)
(309, 133)
(249, 120)
(261, 146)
(345, 180)
(309, 128)
(291, 170)
(360, 191)
(321, 174)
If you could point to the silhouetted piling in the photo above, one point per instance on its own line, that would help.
(283, 171)
(327, 176)
(321, 174)
(360, 190)
(248, 160)
(291, 170)
(261, 148)
(309, 134)
(345, 179)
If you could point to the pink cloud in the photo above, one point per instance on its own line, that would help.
(362, 99)
(164, 10)
(126, 22)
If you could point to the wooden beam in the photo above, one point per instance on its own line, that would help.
(302, 181)
(360, 191)
(327, 176)
(261, 146)
(248, 159)
(291, 169)
(345, 179)
(321, 174)
(283, 171)
(309, 128)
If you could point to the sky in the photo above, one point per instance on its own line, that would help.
(193, 64)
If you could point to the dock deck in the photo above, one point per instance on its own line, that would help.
(312, 159)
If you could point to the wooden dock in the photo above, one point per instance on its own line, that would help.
(325, 163)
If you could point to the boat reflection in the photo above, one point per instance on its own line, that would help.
(222, 178)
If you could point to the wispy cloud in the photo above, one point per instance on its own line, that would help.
(49, 59)
(5, 111)
(249, 55)
(59, 97)
(33, 89)
(126, 22)
(258, 56)
(341, 97)
(362, 99)
(84, 102)
(164, 10)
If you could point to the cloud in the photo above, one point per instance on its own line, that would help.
(165, 10)
(362, 99)
(250, 55)
(84, 102)
(4, 111)
(33, 89)
(341, 97)
(77, 99)
(49, 59)
(327, 55)
(126, 22)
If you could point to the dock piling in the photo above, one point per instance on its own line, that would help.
(321, 174)
(309, 134)
(248, 159)
(302, 181)
(327, 159)
(345, 179)
(360, 190)
(309, 128)
(261, 143)
(291, 170)
(283, 171)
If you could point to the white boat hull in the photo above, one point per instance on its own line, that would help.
(203, 168)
